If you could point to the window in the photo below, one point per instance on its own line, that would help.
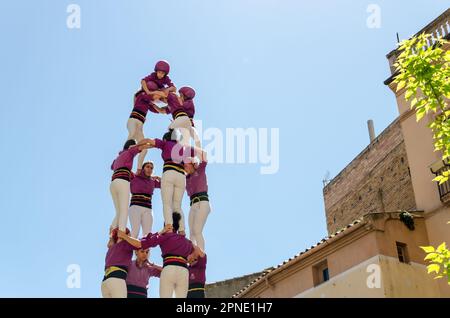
(325, 275)
(402, 252)
(321, 273)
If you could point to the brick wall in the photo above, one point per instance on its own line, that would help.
(376, 180)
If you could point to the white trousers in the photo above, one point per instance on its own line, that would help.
(184, 126)
(197, 218)
(174, 279)
(140, 217)
(173, 185)
(120, 193)
(114, 288)
(136, 131)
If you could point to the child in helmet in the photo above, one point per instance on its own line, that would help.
(155, 87)
(182, 109)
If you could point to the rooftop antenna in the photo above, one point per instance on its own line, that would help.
(326, 179)
(371, 128)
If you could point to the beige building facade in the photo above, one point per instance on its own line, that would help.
(379, 210)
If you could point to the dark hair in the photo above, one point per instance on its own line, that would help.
(169, 135)
(129, 143)
(148, 163)
(176, 217)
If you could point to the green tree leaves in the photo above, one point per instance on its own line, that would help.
(439, 259)
(423, 71)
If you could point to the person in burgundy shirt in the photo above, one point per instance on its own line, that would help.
(197, 277)
(120, 181)
(155, 87)
(139, 274)
(176, 251)
(173, 179)
(182, 109)
(140, 211)
(160, 77)
(197, 190)
(117, 264)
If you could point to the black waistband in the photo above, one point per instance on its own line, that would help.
(121, 272)
(133, 289)
(141, 199)
(170, 165)
(179, 113)
(122, 173)
(177, 260)
(196, 293)
(196, 286)
(138, 114)
(200, 196)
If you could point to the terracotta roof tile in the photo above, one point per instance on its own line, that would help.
(296, 256)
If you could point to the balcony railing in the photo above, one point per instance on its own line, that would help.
(438, 169)
(438, 28)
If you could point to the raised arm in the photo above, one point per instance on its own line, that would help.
(196, 253)
(160, 143)
(201, 154)
(146, 143)
(198, 152)
(110, 242)
(152, 240)
(132, 241)
(157, 182)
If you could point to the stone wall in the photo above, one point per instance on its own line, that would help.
(377, 180)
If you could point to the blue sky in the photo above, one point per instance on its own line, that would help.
(313, 70)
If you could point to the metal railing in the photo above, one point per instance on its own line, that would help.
(444, 188)
(438, 28)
